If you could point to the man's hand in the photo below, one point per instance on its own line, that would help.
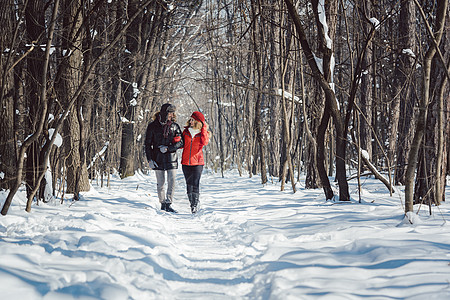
(152, 164)
(163, 149)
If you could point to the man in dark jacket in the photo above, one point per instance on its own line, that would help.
(162, 140)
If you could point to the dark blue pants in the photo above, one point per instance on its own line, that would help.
(192, 175)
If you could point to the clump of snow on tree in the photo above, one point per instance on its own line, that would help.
(409, 52)
(323, 20)
(319, 63)
(375, 22)
(48, 189)
(58, 139)
(136, 92)
(287, 95)
(365, 154)
(99, 155)
(125, 120)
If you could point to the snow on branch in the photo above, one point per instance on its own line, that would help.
(99, 154)
(375, 22)
(409, 52)
(287, 95)
(323, 20)
(58, 140)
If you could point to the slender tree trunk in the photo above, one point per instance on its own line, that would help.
(423, 103)
(320, 159)
(259, 78)
(130, 91)
(312, 180)
(401, 107)
(366, 86)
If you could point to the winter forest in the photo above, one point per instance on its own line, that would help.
(331, 89)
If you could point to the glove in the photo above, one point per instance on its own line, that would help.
(163, 149)
(152, 164)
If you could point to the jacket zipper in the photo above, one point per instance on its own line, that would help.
(190, 149)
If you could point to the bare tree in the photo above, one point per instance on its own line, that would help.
(331, 108)
(420, 122)
(401, 107)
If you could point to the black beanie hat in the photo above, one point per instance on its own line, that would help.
(165, 109)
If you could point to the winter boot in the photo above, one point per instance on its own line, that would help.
(166, 207)
(170, 209)
(195, 202)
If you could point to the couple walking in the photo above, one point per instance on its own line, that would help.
(163, 139)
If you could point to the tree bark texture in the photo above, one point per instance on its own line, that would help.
(70, 76)
(403, 99)
(8, 142)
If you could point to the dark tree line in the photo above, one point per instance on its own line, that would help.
(329, 89)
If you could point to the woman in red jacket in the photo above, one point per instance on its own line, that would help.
(195, 136)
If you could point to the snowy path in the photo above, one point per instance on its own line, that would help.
(213, 255)
(247, 242)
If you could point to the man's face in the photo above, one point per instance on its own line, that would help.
(170, 116)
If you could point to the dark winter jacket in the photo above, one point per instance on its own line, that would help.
(155, 137)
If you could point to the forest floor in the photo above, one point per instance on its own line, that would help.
(248, 241)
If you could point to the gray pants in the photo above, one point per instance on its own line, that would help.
(160, 181)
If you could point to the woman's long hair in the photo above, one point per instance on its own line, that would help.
(199, 127)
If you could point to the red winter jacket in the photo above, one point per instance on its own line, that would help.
(192, 150)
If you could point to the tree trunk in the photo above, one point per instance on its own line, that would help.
(8, 97)
(66, 86)
(35, 24)
(401, 107)
(130, 90)
(366, 85)
(257, 39)
(423, 103)
(312, 180)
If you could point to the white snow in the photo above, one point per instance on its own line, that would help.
(319, 63)
(323, 20)
(58, 139)
(409, 52)
(100, 154)
(365, 154)
(125, 120)
(249, 241)
(375, 22)
(287, 95)
(48, 189)
(136, 92)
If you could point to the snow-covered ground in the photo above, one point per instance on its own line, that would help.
(248, 241)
